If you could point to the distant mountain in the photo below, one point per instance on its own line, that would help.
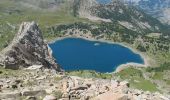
(157, 8)
(109, 16)
(116, 11)
(94, 10)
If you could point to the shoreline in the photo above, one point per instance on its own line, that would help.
(121, 67)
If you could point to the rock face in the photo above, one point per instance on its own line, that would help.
(159, 9)
(85, 6)
(77, 88)
(27, 48)
(37, 84)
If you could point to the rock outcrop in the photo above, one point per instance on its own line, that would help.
(77, 88)
(38, 84)
(27, 48)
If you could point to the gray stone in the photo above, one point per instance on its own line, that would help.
(33, 93)
(79, 88)
(28, 48)
(13, 95)
(31, 98)
(50, 97)
(34, 67)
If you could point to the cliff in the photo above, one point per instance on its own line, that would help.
(27, 48)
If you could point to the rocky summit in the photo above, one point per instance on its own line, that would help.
(27, 49)
(43, 85)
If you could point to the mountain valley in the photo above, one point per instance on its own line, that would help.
(141, 26)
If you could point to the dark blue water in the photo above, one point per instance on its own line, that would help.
(104, 1)
(80, 54)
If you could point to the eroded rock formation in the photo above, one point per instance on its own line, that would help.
(27, 48)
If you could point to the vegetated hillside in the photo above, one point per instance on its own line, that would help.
(121, 23)
(116, 20)
(51, 12)
(14, 12)
(158, 8)
(125, 15)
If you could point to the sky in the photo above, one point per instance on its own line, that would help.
(134, 0)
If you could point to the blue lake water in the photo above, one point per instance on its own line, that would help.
(79, 54)
(104, 1)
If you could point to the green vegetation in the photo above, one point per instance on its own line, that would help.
(160, 74)
(57, 78)
(12, 14)
(145, 85)
(136, 79)
(55, 23)
(156, 48)
(153, 77)
(168, 82)
(165, 66)
(9, 72)
(90, 74)
(57, 94)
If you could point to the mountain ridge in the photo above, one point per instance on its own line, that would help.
(27, 48)
(159, 9)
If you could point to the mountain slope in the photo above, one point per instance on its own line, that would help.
(113, 17)
(159, 9)
(124, 15)
(119, 22)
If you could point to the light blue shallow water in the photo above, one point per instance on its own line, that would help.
(104, 1)
(80, 54)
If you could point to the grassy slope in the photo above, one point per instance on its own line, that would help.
(133, 76)
(90, 74)
(14, 14)
(136, 79)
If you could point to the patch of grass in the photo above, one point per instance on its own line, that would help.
(141, 83)
(9, 72)
(168, 82)
(136, 79)
(90, 74)
(45, 20)
(129, 73)
(163, 67)
(14, 14)
(158, 76)
(57, 94)
(57, 78)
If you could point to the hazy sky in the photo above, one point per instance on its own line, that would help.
(134, 0)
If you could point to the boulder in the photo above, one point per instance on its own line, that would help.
(50, 97)
(79, 88)
(41, 78)
(111, 96)
(13, 95)
(31, 98)
(27, 49)
(34, 67)
(33, 93)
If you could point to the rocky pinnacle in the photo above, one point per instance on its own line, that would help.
(28, 48)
